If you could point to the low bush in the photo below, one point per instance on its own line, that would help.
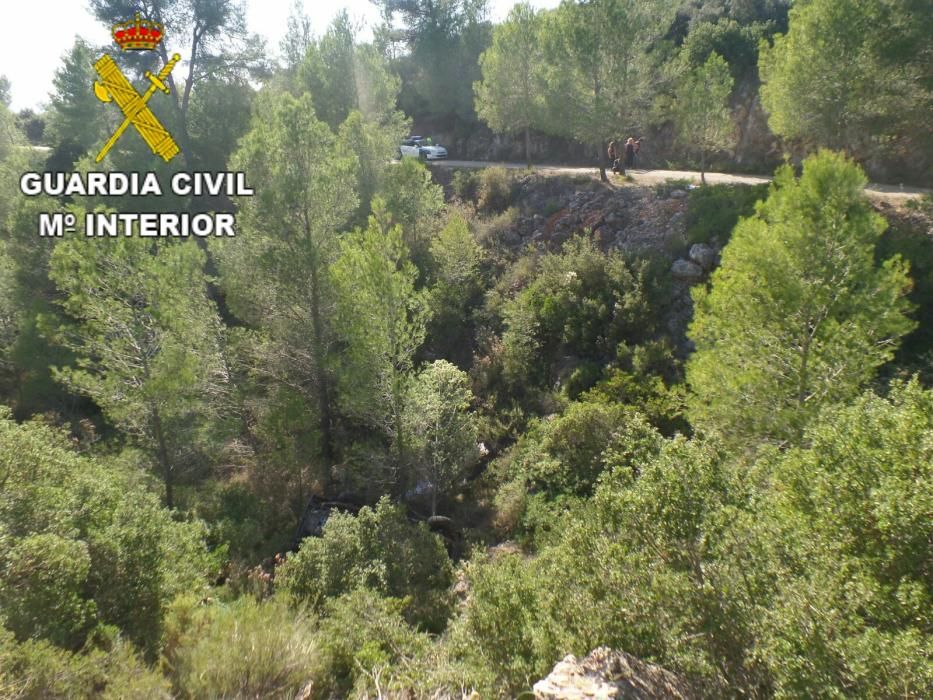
(378, 549)
(38, 670)
(245, 649)
(83, 544)
(365, 645)
(496, 189)
(495, 634)
(714, 210)
(491, 230)
(465, 185)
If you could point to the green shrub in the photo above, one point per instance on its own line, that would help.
(465, 184)
(496, 189)
(922, 204)
(579, 304)
(714, 210)
(565, 455)
(38, 670)
(491, 230)
(378, 549)
(86, 542)
(495, 633)
(853, 613)
(364, 644)
(42, 582)
(914, 244)
(246, 649)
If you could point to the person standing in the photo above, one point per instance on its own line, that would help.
(613, 154)
(630, 153)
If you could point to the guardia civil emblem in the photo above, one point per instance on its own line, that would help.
(138, 35)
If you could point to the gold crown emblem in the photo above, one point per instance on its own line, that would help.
(138, 35)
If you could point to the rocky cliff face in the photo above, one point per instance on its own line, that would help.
(607, 674)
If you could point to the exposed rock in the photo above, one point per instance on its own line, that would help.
(703, 255)
(678, 194)
(687, 271)
(511, 237)
(606, 674)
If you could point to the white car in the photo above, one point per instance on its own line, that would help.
(420, 147)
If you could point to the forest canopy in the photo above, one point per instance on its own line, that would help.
(422, 430)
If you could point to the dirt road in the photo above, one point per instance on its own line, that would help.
(894, 194)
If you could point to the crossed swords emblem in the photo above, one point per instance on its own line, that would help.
(113, 86)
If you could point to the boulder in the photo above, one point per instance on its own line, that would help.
(678, 194)
(687, 271)
(703, 255)
(606, 674)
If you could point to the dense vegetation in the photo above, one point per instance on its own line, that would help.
(518, 455)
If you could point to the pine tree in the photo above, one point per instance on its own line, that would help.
(704, 123)
(382, 320)
(149, 344)
(510, 98)
(799, 315)
(275, 272)
(440, 426)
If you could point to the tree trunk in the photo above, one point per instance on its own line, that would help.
(703, 167)
(164, 462)
(528, 147)
(322, 386)
(602, 163)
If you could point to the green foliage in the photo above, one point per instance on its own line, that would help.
(443, 41)
(802, 576)
(736, 42)
(701, 110)
(219, 115)
(714, 210)
(441, 428)
(82, 544)
(799, 315)
(510, 98)
(495, 189)
(464, 185)
(76, 117)
(241, 649)
(377, 549)
(567, 454)
(149, 343)
(382, 320)
(457, 282)
(911, 242)
(597, 67)
(275, 278)
(353, 91)
(37, 670)
(580, 303)
(495, 632)
(413, 202)
(851, 75)
(365, 645)
(41, 586)
(854, 612)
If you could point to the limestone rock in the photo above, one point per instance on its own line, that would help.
(687, 271)
(703, 255)
(606, 674)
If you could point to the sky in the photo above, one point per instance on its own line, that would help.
(30, 63)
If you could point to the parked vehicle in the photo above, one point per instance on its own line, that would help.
(421, 147)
